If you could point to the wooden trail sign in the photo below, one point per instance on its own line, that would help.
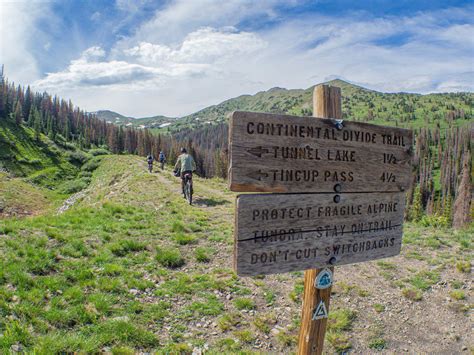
(278, 233)
(341, 198)
(280, 153)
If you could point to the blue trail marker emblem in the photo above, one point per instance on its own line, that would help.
(324, 279)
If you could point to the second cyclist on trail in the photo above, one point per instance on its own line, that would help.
(185, 165)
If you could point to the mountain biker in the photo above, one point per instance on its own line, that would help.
(162, 159)
(186, 164)
(149, 160)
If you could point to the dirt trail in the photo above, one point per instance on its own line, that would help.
(70, 201)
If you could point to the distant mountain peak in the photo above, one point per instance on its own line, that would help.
(277, 88)
(346, 84)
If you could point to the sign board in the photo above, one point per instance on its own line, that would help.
(276, 233)
(280, 153)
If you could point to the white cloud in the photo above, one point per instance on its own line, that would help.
(198, 55)
(17, 35)
(192, 54)
(89, 70)
(206, 45)
(93, 53)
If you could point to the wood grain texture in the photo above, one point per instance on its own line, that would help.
(327, 101)
(280, 153)
(277, 233)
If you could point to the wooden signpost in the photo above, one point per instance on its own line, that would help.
(340, 198)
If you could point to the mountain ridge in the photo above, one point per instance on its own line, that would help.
(358, 103)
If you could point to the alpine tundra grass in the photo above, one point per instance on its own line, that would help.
(131, 267)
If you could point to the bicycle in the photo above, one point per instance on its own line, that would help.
(162, 164)
(150, 167)
(188, 187)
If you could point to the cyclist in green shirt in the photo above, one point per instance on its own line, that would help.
(186, 165)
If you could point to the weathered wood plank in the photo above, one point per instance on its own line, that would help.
(277, 233)
(280, 153)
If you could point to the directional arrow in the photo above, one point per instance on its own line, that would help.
(258, 151)
(257, 175)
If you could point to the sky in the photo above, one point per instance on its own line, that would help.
(144, 58)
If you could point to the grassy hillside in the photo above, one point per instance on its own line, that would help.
(22, 155)
(37, 173)
(131, 267)
(19, 198)
(358, 103)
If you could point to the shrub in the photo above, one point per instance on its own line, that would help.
(295, 295)
(457, 295)
(85, 174)
(244, 303)
(169, 257)
(377, 344)
(228, 321)
(339, 341)
(184, 239)
(379, 307)
(463, 266)
(424, 279)
(99, 151)
(74, 186)
(91, 165)
(124, 247)
(264, 322)
(15, 332)
(341, 319)
(202, 255)
(412, 294)
(178, 227)
(77, 157)
(434, 221)
(64, 144)
(210, 307)
(245, 336)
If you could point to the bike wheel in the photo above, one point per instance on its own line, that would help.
(189, 192)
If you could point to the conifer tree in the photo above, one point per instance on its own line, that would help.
(417, 207)
(36, 123)
(67, 129)
(462, 204)
(27, 102)
(18, 113)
